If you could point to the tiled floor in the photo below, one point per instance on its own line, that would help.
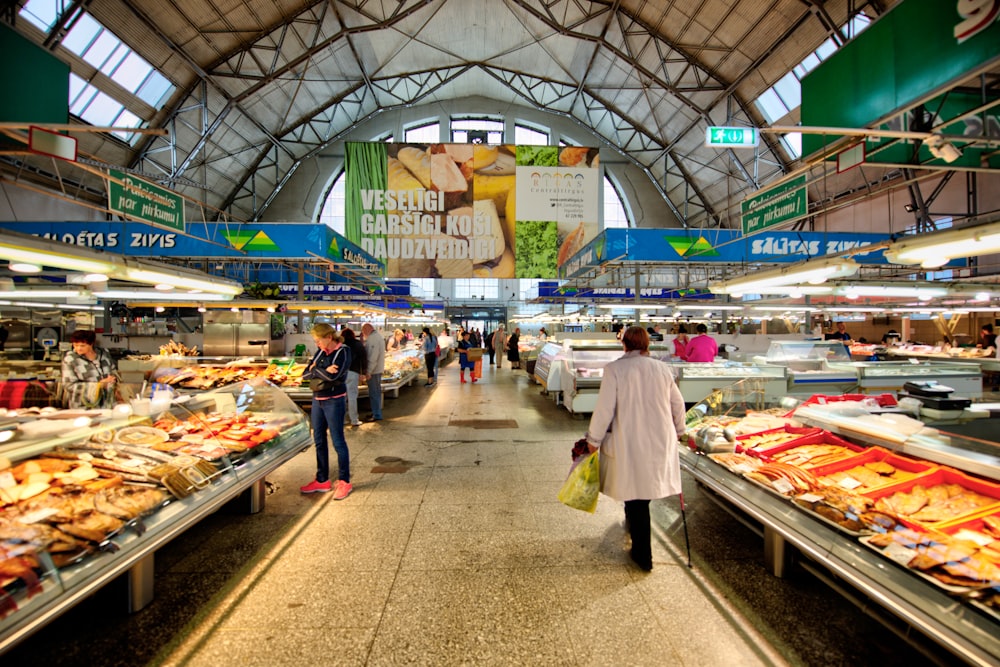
(466, 558)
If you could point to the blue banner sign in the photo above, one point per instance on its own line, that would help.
(286, 241)
(721, 245)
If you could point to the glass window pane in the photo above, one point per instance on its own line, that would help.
(133, 73)
(614, 210)
(426, 134)
(810, 62)
(102, 110)
(82, 34)
(793, 143)
(826, 49)
(332, 214)
(127, 119)
(41, 13)
(79, 104)
(526, 136)
(101, 49)
(115, 59)
(771, 105)
(789, 90)
(459, 137)
(154, 90)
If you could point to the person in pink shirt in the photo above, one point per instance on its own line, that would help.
(702, 347)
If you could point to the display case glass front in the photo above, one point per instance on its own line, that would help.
(85, 494)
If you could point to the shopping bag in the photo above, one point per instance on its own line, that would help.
(477, 369)
(581, 488)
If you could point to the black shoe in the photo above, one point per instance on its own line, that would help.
(371, 418)
(643, 564)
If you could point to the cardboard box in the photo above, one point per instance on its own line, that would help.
(474, 353)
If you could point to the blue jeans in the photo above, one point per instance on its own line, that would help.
(353, 380)
(328, 415)
(375, 394)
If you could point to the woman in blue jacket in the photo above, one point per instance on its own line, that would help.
(327, 375)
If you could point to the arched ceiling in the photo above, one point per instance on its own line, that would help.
(263, 84)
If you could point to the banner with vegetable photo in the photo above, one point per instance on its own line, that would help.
(434, 210)
(557, 206)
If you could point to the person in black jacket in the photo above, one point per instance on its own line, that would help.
(488, 344)
(359, 364)
(327, 376)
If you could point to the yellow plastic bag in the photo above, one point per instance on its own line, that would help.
(581, 488)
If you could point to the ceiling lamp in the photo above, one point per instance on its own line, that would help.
(942, 149)
(813, 272)
(938, 248)
(24, 267)
(905, 291)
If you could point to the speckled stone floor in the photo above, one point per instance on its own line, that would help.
(463, 556)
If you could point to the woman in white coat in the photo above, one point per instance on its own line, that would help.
(636, 423)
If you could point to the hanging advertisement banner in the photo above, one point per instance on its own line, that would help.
(774, 206)
(137, 199)
(470, 210)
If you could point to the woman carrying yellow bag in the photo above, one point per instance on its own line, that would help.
(581, 488)
(636, 424)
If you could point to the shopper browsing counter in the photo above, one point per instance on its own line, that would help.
(701, 348)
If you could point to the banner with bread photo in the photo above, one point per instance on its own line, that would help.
(453, 210)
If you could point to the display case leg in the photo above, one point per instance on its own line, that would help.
(256, 496)
(776, 552)
(140, 584)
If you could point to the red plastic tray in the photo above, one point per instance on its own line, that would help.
(873, 454)
(814, 439)
(884, 400)
(944, 475)
(801, 431)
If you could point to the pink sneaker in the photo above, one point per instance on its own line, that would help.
(317, 487)
(342, 490)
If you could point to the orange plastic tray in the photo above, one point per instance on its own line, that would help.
(912, 468)
(944, 475)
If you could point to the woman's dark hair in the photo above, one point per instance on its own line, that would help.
(348, 334)
(427, 330)
(682, 329)
(83, 336)
(701, 328)
(635, 338)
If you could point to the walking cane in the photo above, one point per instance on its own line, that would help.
(684, 520)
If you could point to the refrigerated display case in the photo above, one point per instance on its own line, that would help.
(698, 380)
(551, 371)
(90, 495)
(814, 366)
(962, 619)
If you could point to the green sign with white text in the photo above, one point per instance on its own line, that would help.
(731, 137)
(137, 199)
(774, 206)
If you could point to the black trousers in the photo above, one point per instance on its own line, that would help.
(637, 516)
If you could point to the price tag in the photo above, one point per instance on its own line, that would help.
(849, 483)
(810, 498)
(783, 486)
(132, 463)
(899, 553)
(741, 468)
(7, 480)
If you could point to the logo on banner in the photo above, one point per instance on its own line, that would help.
(977, 15)
(250, 240)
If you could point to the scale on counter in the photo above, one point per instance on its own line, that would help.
(935, 395)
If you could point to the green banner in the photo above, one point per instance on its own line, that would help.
(134, 198)
(917, 48)
(774, 206)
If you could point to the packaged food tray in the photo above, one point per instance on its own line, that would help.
(819, 438)
(784, 435)
(906, 469)
(943, 475)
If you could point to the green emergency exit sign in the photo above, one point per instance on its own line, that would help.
(731, 137)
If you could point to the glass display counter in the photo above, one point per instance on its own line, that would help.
(879, 376)
(814, 366)
(696, 381)
(954, 617)
(88, 495)
(551, 371)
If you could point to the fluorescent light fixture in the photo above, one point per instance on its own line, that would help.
(16, 247)
(853, 309)
(938, 248)
(918, 292)
(153, 295)
(43, 293)
(202, 309)
(631, 306)
(709, 308)
(164, 287)
(24, 267)
(813, 272)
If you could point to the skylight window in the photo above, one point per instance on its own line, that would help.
(102, 50)
(785, 95)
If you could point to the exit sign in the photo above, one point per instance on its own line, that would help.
(731, 137)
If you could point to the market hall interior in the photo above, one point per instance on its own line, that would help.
(453, 550)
